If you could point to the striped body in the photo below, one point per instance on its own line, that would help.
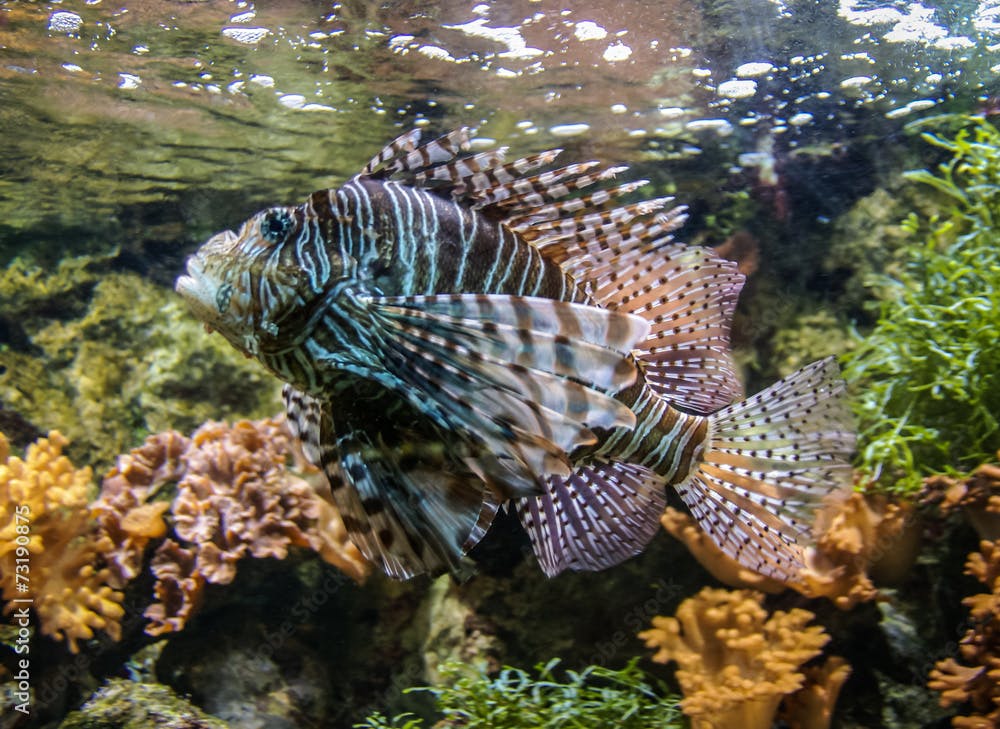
(455, 332)
(390, 239)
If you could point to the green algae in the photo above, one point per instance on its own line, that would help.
(926, 379)
(109, 357)
(122, 704)
(514, 698)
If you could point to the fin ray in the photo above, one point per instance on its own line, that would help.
(410, 509)
(599, 516)
(772, 461)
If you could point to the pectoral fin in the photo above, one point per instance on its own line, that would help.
(529, 378)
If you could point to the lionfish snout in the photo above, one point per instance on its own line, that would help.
(207, 286)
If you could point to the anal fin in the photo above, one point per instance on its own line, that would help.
(599, 516)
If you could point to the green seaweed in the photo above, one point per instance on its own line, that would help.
(926, 380)
(595, 696)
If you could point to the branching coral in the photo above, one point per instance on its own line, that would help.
(976, 681)
(235, 497)
(811, 707)
(72, 592)
(736, 663)
(852, 536)
(724, 568)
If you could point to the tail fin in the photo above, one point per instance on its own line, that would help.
(770, 462)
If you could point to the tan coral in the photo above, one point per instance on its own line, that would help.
(127, 519)
(71, 592)
(735, 663)
(853, 534)
(975, 682)
(331, 541)
(811, 707)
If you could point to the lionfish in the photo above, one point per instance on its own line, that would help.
(459, 333)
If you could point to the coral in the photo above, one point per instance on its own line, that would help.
(127, 520)
(853, 534)
(724, 568)
(44, 504)
(178, 588)
(809, 335)
(926, 380)
(978, 495)
(975, 681)
(811, 707)
(455, 633)
(235, 497)
(122, 704)
(736, 663)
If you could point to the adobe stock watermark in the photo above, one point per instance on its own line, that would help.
(21, 616)
(634, 620)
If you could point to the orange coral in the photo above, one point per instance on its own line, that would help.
(236, 497)
(811, 707)
(71, 592)
(858, 531)
(976, 684)
(978, 495)
(735, 662)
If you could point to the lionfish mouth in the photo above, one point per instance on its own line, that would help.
(197, 290)
(189, 286)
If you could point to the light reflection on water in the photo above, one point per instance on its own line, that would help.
(105, 105)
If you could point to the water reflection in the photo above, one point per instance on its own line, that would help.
(106, 105)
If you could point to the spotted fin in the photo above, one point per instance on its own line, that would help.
(527, 377)
(400, 147)
(688, 295)
(405, 156)
(410, 506)
(597, 517)
(772, 460)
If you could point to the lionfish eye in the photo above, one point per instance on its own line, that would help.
(275, 225)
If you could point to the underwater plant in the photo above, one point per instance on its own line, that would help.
(927, 378)
(595, 696)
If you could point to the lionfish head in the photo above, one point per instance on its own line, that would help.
(245, 285)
